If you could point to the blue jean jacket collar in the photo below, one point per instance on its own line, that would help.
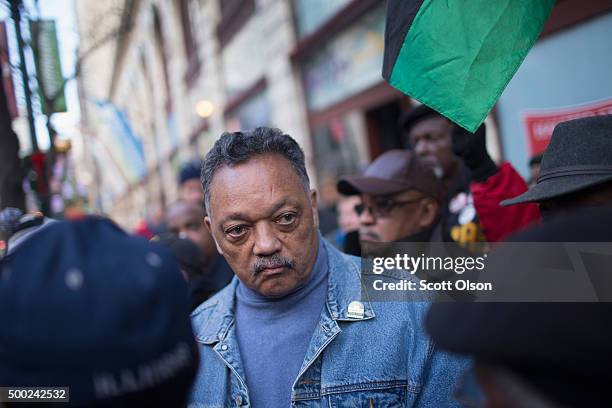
(342, 290)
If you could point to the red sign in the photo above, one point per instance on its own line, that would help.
(539, 125)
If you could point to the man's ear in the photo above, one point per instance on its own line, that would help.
(210, 229)
(429, 212)
(314, 206)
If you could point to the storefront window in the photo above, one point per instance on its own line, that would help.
(348, 64)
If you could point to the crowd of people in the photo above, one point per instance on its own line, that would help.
(245, 298)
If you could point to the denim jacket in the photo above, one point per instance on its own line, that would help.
(378, 357)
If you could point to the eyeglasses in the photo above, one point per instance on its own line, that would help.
(382, 207)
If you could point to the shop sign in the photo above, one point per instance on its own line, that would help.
(539, 125)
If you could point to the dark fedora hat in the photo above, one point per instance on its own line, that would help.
(579, 156)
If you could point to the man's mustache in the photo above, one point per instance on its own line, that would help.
(271, 262)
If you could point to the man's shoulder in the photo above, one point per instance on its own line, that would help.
(205, 307)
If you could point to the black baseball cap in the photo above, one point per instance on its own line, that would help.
(391, 173)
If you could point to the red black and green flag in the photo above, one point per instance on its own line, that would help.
(457, 56)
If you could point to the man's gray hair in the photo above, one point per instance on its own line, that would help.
(238, 147)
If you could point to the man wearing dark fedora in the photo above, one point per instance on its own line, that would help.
(576, 169)
(527, 354)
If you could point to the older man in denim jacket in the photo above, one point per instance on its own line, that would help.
(292, 328)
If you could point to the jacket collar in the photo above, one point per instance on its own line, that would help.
(212, 320)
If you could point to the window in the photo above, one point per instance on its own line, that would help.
(191, 48)
(250, 109)
(234, 14)
(160, 47)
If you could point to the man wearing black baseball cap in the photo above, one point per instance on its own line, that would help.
(86, 306)
(400, 198)
(576, 169)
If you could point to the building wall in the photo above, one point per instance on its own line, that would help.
(171, 132)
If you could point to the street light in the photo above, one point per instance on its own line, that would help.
(204, 108)
(62, 145)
